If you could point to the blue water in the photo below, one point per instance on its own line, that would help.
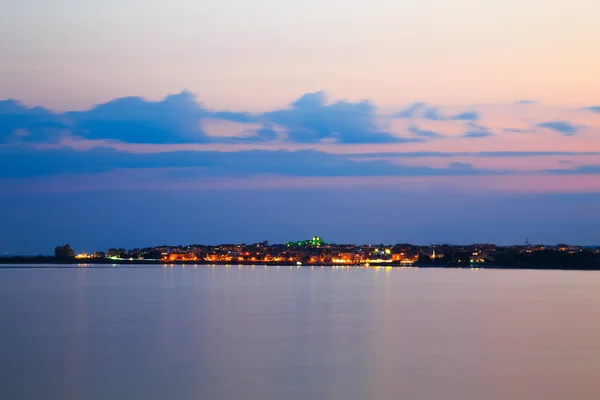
(256, 333)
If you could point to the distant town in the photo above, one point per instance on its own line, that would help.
(316, 251)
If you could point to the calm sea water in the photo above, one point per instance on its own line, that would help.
(298, 333)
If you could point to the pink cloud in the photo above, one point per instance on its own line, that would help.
(221, 128)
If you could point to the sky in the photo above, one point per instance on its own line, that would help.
(137, 123)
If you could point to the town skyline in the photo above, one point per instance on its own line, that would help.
(313, 242)
(316, 251)
(89, 251)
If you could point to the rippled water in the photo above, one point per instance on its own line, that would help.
(298, 333)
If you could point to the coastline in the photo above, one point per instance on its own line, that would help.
(51, 262)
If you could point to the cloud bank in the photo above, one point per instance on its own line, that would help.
(23, 163)
(310, 119)
(310, 137)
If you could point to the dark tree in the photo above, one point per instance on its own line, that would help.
(64, 252)
(112, 252)
(153, 255)
(424, 259)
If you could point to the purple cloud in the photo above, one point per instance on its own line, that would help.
(425, 133)
(476, 131)
(433, 114)
(310, 119)
(563, 127)
(30, 162)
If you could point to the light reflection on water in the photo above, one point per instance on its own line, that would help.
(209, 332)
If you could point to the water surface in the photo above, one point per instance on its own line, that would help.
(257, 333)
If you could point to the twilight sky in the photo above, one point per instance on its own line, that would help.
(130, 123)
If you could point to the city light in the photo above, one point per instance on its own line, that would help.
(317, 252)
